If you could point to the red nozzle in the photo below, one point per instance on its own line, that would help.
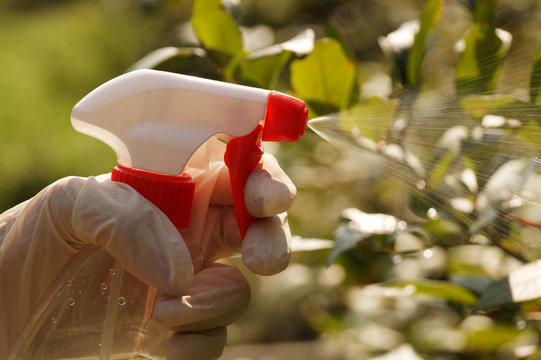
(173, 195)
(285, 118)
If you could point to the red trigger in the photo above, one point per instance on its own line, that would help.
(242, 155)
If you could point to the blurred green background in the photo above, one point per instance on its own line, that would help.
(54, 52)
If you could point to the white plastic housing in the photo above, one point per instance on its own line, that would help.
(156, 120)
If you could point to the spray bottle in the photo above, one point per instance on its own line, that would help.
(154, 121)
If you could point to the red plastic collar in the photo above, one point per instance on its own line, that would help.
(171, 194)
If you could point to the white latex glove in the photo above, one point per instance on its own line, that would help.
(40, 237)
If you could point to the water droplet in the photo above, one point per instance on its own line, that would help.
(71, 302)
(402, 225)
(68, 284)
(421, 184)
(521, 324)
(103, 292)
(396, 259)
(427, 254)
(79, 291)
(122, 301)
(515, 201)
(100, 345)
(432, 213)
(103, 286)
(53, 320)
(112, 272)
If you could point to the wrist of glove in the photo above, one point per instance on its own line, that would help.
(39, 237)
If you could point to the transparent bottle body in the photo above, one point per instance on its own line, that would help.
(94, 310)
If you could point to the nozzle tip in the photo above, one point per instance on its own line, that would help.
(285, 118)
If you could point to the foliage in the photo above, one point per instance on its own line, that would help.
(468, 191)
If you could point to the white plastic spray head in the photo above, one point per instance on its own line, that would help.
(156, 120)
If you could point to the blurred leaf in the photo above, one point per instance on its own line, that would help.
(535, 81)
(402, 352)
(304, 244)
(440, 169)
(496, 294)
(359, 226)
(436, 289)
(479, 66)
(332, 30)
(301, 44)
(326, 75)
(215, 27)
(262, 71)
(522, 284)
(476, 284)
(233, 7)
(505, 183)
(531, 133)
(262, 67)
(430, 18)
(371, 118)
(496, 337)
(483, 11)
(397, 45)
(469, 4)
(189, 61)
(481, 105)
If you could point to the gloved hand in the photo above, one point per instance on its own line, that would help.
(39, 239)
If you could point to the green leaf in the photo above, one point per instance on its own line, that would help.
(261, 71)
(507, 181)
(332, 30)
(440, 169)
(497, 337)
(481, 105)
(509, 109)
(359, 226)
(521, 285)
(442, 290)
(497, 294)
(535, 80)
(233, 7)
(476, 284)
(262, 67)
(430, 18)
(325, 76)
(189, 61)
(479, 66)
(371, 118)
(215, 27)
(531, 133)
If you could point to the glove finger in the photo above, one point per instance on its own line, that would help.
(203, 345)
(268, 190)
(115, 216)
(266, 246)
(218, 296)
